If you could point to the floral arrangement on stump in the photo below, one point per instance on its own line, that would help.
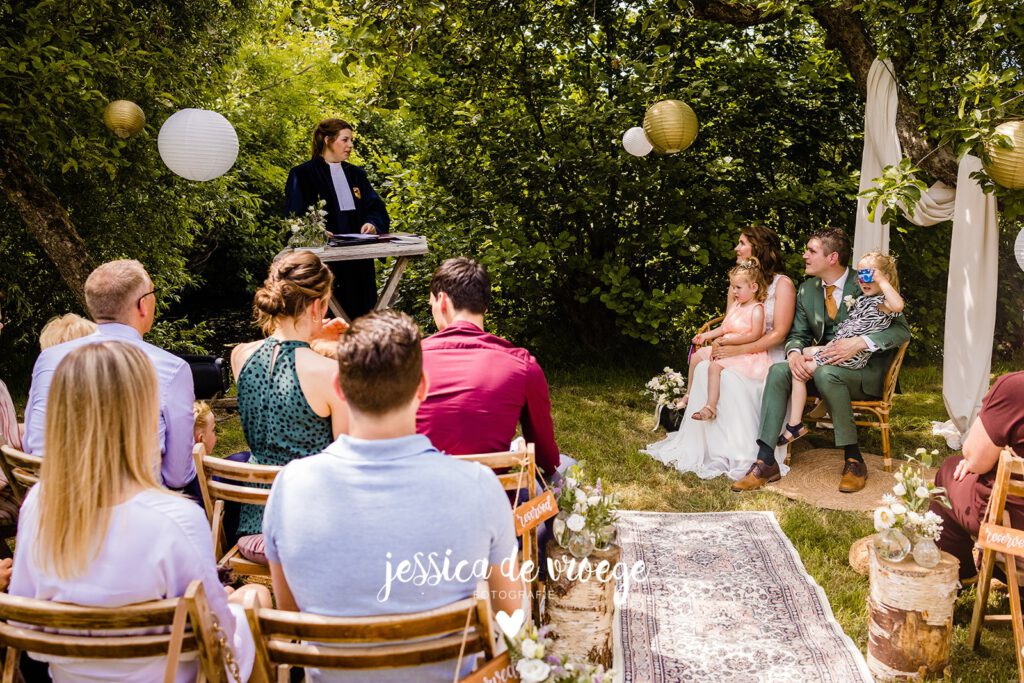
(310, 229)
(904, 523)
(665, 389)
(529, 651)
(586, 515)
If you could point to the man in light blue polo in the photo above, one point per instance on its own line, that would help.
(121, 299)
(361, 530)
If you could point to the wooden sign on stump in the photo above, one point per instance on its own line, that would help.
(580, 603)
(910, 620)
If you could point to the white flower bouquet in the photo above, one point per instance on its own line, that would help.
(586, 515)
(906, 508)
(310, 229)
(666, 388)
(529, 652)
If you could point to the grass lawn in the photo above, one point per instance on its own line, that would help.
(600, 417)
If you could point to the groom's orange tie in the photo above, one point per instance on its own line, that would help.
(830, 303)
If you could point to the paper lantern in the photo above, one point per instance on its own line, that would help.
(671, 126)
(1006, 166)
(1018, 249)
(124, 118)
(636, 143)
(198, 144)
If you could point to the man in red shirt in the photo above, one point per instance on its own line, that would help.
(481, 386)
(968, 479)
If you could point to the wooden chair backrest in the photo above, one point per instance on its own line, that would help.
(20, 468)
(516, 470)
(239, 490)
(241, 475)
(166, 622)
(999, 541)
(398, 640)
(1009, 481)
(891, 377)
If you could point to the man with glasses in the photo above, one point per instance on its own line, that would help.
(122, 301)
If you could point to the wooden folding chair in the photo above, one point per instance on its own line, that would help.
(20, 469)
(165, 628)
(9, 527)
(875, 413)
(517, 470)
(1000, 542)
(236, 485)
(287, 639)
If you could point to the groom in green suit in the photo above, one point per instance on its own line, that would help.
(820, 307)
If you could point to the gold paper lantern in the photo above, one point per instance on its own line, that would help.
(1007, 165)
(671, 126)
(123, 117)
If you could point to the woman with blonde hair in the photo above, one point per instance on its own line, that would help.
(287, 400)
(88, 528)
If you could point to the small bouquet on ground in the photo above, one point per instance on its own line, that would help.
(310, 229)
(586, 515)
(528, 649)
(666, 388)
(905, 515)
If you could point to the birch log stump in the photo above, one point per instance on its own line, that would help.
(910, 620)
(579, 611)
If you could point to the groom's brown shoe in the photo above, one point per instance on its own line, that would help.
(757, 476)
(855, 476)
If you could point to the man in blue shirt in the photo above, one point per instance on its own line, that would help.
(122, 301)
(360, 530)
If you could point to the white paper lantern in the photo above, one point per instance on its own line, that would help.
(636, 143)
(198, 144)
(1018, 249)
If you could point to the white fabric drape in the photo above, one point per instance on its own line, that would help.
(972, 284)
(970, 298)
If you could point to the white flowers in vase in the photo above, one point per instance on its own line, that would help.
(310, 229)
(586, 515)
(906, 509)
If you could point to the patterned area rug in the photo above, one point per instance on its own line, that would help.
(725, 599)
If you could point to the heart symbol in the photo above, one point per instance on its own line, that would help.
(510, 625)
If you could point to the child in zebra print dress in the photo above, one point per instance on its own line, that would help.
(872, 312)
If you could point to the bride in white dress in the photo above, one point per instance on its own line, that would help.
(726, 445)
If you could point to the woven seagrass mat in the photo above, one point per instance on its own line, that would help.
(814, 479)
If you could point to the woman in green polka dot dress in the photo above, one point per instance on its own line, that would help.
(287, 399)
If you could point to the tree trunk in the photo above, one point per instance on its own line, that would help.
(910, 620)
(46, 219)
(845, 32)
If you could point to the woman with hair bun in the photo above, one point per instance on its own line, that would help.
(287, 400)
(352, 207)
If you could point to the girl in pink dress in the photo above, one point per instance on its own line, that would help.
(744, 323)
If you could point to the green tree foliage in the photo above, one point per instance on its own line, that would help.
(494, 128)
(521, 105)
(520, 108)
